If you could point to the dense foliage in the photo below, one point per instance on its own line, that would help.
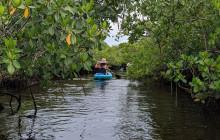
(47, 38)
(143, 56)
(187, 35)
(112, 54)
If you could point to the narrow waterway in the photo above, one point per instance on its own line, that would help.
(117, 109)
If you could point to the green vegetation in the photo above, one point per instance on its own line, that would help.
(52, 38)
(185, 48)
(143, 55)
(204, 72)
(187, 35)
(43, 39)
(47, 38)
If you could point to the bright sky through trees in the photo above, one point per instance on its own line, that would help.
(111, 40)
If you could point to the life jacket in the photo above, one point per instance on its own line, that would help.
(102, 70)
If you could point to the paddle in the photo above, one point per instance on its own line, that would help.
(116, 75)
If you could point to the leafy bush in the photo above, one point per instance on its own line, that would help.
(47, 38)
(143, 55)
(205, 72)
(145, 60)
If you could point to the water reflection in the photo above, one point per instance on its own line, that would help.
(101, 83)
(127, 110)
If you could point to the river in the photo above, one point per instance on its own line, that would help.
(117, 109)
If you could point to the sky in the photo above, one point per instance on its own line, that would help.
(111, 40)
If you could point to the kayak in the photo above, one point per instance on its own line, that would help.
(100, 76)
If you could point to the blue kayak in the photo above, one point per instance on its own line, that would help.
(100, 76)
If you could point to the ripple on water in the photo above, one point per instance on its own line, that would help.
(116, 109)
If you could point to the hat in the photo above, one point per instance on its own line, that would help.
(103, 61)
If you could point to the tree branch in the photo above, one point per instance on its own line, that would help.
(24, 24)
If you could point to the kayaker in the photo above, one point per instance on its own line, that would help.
(102, 66)
(128, 64)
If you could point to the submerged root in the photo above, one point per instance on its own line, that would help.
(1, 107)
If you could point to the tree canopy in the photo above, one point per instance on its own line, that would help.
(49, 38)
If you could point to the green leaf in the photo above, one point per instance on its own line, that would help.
(11, 43)
(218, 59)
(75, 49)
(70, 54)
(184, 57)
(204, 75)
(206, 69)
(6, 42)
(91, 2)
(218, 67)
(88, 6)
(57, 17)
(191, 84)
(73, 67)
(80, 23)
(201, 62)
(78, 68)
(176, 79)
(73, 39)
(7, 21)
(83, 7)
(168, 72)
(70, 9)
(31, 43)
(212, 86)
(16, 64)
(68, 61)
(75, 75)
(86, 67)
(63, 36)
(163, 73)
(11, 69)
(180, 76)
(200, 96)
(2, 48)
(63, 14)
(196, 89)
(183, 80)
(5, 60)
(9, 54)
(90, 21)
(77, 31)
(18, 50)
(62, 56)
(84, 57)
(94, 27)
(22, 6)
(213, 2)
(51, 30)
(104, 24)
(217, 5)
(28, 2)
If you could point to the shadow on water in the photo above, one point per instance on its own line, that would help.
(185, 120)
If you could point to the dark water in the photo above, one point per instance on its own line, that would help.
(117, 109)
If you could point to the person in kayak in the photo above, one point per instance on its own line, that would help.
(102, 66)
